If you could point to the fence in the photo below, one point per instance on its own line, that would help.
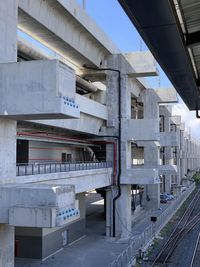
(44, 168)
(126, 258)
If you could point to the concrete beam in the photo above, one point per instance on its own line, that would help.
(176, 120)
(86, 124)
(169, 139)
(143, 63)
(167, 95)
(140, 175)
(34, 205)
(91, 107)
(58, 24)
(42, 89)
(82, 180)
(167, 169)
(136, 129)
(165, 110)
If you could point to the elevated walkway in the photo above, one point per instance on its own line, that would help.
(84, 176)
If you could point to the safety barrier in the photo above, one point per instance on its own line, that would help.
(126, 258)
(44, 168)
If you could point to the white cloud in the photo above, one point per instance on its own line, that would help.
(189, 117)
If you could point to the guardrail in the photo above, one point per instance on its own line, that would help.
(44, 168)
(127, 257)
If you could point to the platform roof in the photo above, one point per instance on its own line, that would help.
(171, 30)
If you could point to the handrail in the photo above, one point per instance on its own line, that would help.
(24, 169)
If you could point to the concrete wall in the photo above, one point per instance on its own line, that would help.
(86, 124)
(48, 93)
(169, 139)
(39, 243)
(83, 180)
(6, 245)
(8, 151)
(8, 33)
(142, 129)
(41, 152)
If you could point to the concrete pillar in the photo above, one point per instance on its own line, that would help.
(151, 200)
(151, 192)
(168, 161)
(168, 153)
(152, 197)
(8, 32)
(123, 204)
(168, 183)
(123, 212)
(8, 53)
(6, 246)
(7, 151)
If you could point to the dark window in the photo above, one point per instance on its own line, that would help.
(69, 157)
(64, 158)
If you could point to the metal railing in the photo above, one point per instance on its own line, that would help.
(126, 258)
(44, 168)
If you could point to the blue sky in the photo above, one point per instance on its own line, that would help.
(109, 15)
(111, 18)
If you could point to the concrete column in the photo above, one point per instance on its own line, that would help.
(123, 212)
(168, 154)
(7, 151)
(8, 53)
(168, 161)
(151, 199)
(168, 179)
(151, 192)
(6, 245)
(8, 32)
(123, 204)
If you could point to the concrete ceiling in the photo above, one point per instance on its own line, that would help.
(171, 30)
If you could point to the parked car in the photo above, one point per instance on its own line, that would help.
(163, 198)
(183, 188)
(168, 196)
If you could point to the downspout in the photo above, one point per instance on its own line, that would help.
(119, 138)
(197, 113)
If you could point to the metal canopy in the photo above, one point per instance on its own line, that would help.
(171, 30)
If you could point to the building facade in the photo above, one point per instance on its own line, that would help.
(77, 115)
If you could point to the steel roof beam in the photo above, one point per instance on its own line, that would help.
(193, 39)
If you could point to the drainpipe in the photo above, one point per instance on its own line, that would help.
(119, 138)
(197, 113)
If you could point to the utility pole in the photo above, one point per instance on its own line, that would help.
(84, 4)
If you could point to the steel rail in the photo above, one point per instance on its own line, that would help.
(174, 236)
(195, 251)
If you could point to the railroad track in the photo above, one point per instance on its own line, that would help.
(185, 224)
(195, 255)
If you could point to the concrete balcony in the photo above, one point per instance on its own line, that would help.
(169, 139)
(176, 120)
(84, 176)
(167, 95)
(91, 107)
(143, 63)
(34, 205)
(40, 89)
(167, 169)
(141, 175)
(142, 129)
